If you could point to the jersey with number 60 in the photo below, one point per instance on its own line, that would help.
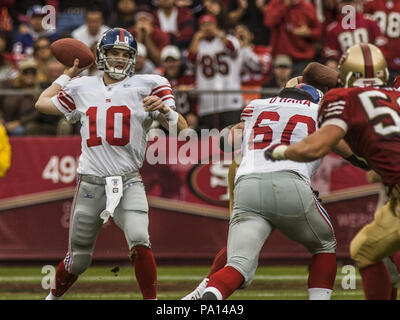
(114, 121)
(271, 121)
(370, 118)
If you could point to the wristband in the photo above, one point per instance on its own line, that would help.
(62, 80)
(279, 152)
(172, 117)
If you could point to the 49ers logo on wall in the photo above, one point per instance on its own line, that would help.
(209, 182)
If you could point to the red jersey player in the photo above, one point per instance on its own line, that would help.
(387, 15)
(348, 31)
(367, 116)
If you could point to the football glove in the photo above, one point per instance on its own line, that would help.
(358, 162)
(275, 152)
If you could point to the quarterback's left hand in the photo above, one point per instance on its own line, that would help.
(275, 152)
(153, 103)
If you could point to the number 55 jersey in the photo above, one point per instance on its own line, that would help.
(370, 117)
(114, 123)
(273, 121)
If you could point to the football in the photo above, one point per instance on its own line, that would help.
(66, 50)
(320, 76)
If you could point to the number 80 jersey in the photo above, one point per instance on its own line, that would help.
(370, 117)
(276, 120)
(114, 123)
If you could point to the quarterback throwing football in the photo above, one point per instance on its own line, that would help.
(115, 110)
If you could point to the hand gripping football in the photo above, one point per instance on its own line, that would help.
(66, 50)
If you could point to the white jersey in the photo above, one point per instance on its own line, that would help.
(114, 121)
(271, 121)
(218, 67)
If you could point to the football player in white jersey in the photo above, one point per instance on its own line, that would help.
(115, 110)
(268, 197)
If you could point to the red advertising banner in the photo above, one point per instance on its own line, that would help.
(188, 203)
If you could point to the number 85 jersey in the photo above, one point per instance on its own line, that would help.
(370, 118)
(114, 123)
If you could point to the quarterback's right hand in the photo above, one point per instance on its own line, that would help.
(74, 70)
(276, 152)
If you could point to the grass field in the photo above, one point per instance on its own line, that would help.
(101, 283)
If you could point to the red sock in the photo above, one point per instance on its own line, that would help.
(323, 271)
(145, 271)
(219, 262)
(376, 282)
(64, 280)
(226, 280)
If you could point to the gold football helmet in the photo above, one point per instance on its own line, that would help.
(363, 65)
(294, 82)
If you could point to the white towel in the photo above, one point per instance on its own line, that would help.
(114, 191)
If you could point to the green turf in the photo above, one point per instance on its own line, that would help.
(100, 283)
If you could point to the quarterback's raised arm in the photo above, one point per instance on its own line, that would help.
(44, 104)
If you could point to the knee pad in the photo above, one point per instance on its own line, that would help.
(78, 263)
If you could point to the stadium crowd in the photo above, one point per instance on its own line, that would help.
(195, 44)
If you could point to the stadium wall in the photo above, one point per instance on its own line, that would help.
(188, 205)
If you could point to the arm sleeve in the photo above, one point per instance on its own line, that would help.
(335, 110)
(162, 89)
(64, 101)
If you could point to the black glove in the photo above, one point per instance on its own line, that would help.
(358, 162)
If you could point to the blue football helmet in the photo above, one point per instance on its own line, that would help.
(314, 92)
(120, 39)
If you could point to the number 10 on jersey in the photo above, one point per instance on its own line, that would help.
(95, 140)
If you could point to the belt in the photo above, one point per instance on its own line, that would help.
(102, 180)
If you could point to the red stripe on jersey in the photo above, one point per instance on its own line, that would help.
(163, 93)
(67, 95)
(68, 102)
(369, 68)
(159, 87)
(63, 105)
(167, 98)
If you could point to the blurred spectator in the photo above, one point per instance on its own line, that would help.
(18, 111)
(46, 124)
(8, 70)
(144, 65)
(340, 35)
(178, 22)
(93, 28)
(181, 78)
(123, 15)
(149, 34)
(218, 66)
(23, 46)
(294, 30)
(387, 15)
(195, 6)
(250, 13)
(93, 70)
(217, 9)
(42, 55)
(281, 72)
(6, 21)
(5, 151)
(71, 13)
(257, 59)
